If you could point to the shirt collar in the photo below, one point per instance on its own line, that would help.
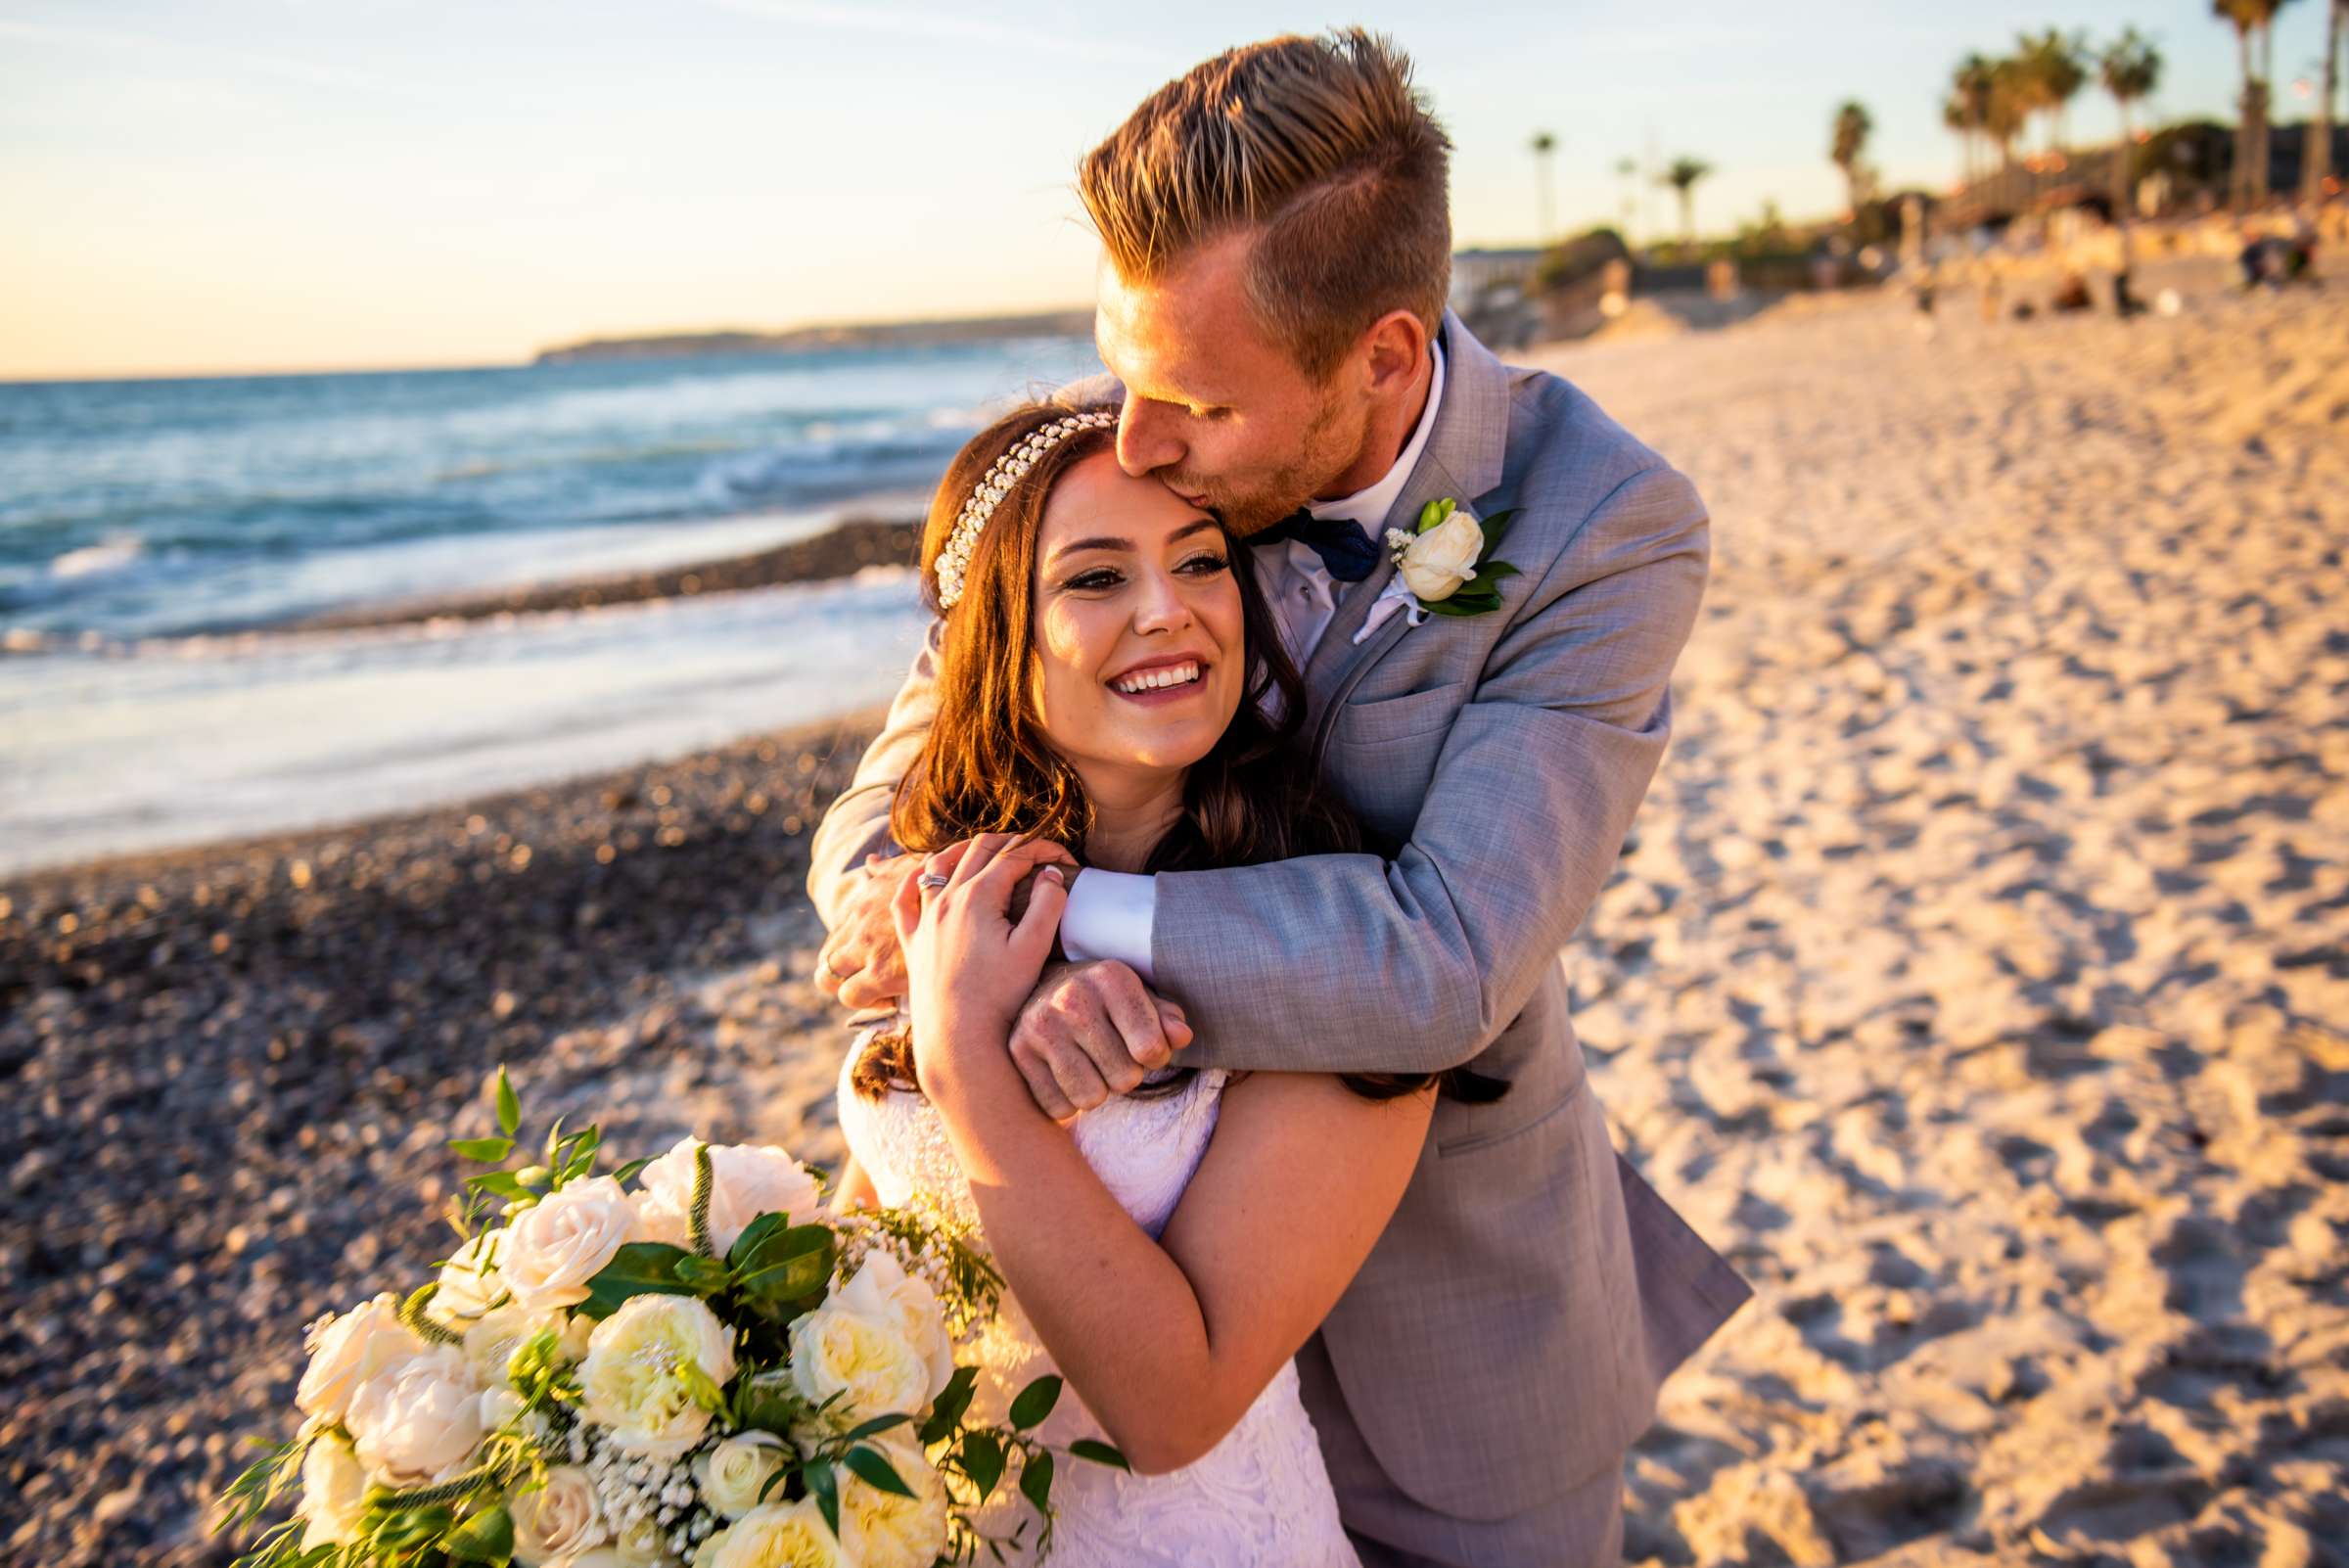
(1369, 507)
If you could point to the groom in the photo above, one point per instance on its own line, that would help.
(1279, 242)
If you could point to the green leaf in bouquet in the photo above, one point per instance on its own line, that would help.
(1035, 1479)
(1492, 572)
(509, 1105)
(1466, 602)
(1098, 1453)
(787, 1266)
(500, 1185)
(824, 1487)
(486, 1535)
(983, 1461)
(874, 1427)
(1036, 1402)
(707, 1275)
(873, 1468)
(768, 1401)
(628, 1173)
(404, 1528)
(757, 1231)
(952, 1400)
(639, 1269)
(488, 1151)
(411, 1313)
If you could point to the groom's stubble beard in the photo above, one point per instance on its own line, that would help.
(1320, 454)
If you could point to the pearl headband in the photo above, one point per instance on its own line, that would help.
(955, 561)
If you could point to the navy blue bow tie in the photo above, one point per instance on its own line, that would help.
(1343, 548)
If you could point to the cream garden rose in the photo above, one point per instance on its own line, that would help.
(879, 1370)
(469, 1281)
(774, 1536)
(334, 1492)
(880, 1530)
(882, 1290)
(632, 1381)
(731, 1474)
(558, 1521)
(745, 1181)
(347, 1350)
(1435, 564)
(417, 1420)
(554, 1247)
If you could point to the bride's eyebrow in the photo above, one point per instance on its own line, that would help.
(1108, 542)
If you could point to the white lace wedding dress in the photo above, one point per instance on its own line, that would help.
(1262, 1495)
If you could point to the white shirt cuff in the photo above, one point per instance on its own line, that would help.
(1111, 915)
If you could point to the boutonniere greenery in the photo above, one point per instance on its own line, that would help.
(1447, 565)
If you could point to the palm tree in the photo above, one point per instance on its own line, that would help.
(1544, 144)
(2011, 100)
(1849, 140)
(2131, 68)
(1968, 111)
(1682, 176)
(2051, 64)
(2318, 158)
(2252, 19)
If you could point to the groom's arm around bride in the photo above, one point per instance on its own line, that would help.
(1482, 1379)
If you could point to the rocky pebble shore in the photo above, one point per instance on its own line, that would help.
(230, 1072)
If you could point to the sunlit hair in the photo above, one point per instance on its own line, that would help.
(1324, 148)
(987, 766)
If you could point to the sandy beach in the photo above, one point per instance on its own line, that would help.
(1975, 978)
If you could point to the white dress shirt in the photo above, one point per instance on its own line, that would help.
(1112, 914)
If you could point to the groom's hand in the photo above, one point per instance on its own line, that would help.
(1090, 1031)
(861, 963)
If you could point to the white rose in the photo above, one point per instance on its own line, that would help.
(630, 1381)
(835, 1351)
(469, 1281)
(884, 1291)
(731, 1474)
(347, 1351)
(334, 1493)
(419, 1420)
(554, 1247)
(491, 1340)
(745, 1181)
(498, 1407)
(777, 1535)
(1436, 563)
(880, 1530)
(558, 1520)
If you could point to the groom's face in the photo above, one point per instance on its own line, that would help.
(1214, 407)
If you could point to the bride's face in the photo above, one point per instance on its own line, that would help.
(1138, 643)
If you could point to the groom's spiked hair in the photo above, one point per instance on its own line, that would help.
(1324, 148)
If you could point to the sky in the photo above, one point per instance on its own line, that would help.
(220, 186)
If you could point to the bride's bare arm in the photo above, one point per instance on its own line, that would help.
(1170, 1341)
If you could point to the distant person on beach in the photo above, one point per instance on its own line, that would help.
(1484, 582)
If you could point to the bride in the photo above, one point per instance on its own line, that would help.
(1105, 665)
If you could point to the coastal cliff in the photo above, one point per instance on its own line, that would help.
(1071, 323)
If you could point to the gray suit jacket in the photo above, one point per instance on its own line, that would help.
(1509, 1333)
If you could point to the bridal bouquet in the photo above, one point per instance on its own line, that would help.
(702, 1371)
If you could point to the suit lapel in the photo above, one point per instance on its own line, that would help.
(1463, 459)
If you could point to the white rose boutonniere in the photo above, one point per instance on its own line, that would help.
(1446, 566)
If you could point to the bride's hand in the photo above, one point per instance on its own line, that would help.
(970, 963)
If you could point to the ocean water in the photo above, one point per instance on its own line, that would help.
(158, 537)
(158, 508)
